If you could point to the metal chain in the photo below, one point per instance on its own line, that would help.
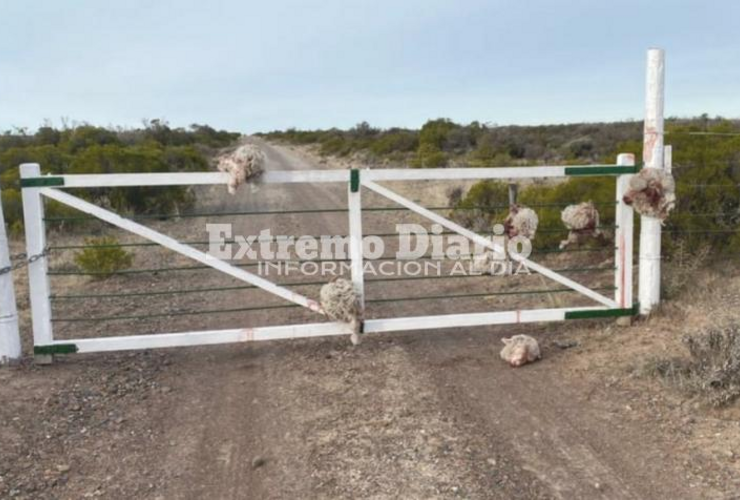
(22, 261)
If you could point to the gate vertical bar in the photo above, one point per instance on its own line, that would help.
(668, 159)
(652, 156)
(10, 338)
(623, 237)
(38, 279)
(513, 192)
(355, 235)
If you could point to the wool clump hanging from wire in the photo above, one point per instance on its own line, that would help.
(582, 221)
(244, 163)
(521, 221)
(341, 303)
(652, 192)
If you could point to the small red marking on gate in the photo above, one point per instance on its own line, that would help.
(651, 138)
(248, 334)
(315, 306)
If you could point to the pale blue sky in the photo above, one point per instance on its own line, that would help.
(256, 66)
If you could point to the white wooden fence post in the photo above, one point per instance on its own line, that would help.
(10, 338)
(355, 235)
(652, 156)
(623, 239)
(38, 280)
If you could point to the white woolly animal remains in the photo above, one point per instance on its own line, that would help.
(520, 350)
(652, 193)
(244, 163)
(583, 222)
(521, 221)
(340, 303)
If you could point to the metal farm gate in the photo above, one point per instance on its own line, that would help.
(36, 188)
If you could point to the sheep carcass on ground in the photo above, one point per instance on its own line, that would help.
(652, 192)
(244, 163)
(582, 221)
(340, 303)
(520, 350)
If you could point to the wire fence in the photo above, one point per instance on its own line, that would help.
(170, 216)
(172, 314)
(596, 270)
(429, 293)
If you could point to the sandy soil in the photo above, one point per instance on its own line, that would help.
(405, 415)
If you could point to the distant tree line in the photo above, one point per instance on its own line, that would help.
(442, 142)
(87, 149)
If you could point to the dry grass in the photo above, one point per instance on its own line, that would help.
(683, 266)
(711, 371)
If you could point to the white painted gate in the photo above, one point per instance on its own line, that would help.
(37, 187)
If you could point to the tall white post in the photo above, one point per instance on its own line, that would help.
(355, 239)
(38, 279)
(623, 239)
(652, 157)
(10, 338)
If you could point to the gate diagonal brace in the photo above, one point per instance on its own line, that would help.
(488, 243)
(176, 246)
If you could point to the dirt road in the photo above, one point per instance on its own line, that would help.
(415, 415)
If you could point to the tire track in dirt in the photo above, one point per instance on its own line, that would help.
(569, 442)
(330, 421)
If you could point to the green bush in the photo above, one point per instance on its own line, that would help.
(336, 145)
(435, 132)
(477, 209)
(394, 141)
(707, 167)
(92, 150)
(707, 173)
(104, 257)
(429, 156)
(546, 199)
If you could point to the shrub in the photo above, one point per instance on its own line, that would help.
(104, 256)
(336, 145)
(90, 150)
(429, 156)
(471, 211)
(395, 141)
(712, 370)
(545, 199)
(680, 268)
(434, 132)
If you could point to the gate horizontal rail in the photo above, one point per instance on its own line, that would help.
(314, 176)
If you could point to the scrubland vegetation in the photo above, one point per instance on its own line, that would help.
(706, 159)
(706, 165)
(86, 149)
